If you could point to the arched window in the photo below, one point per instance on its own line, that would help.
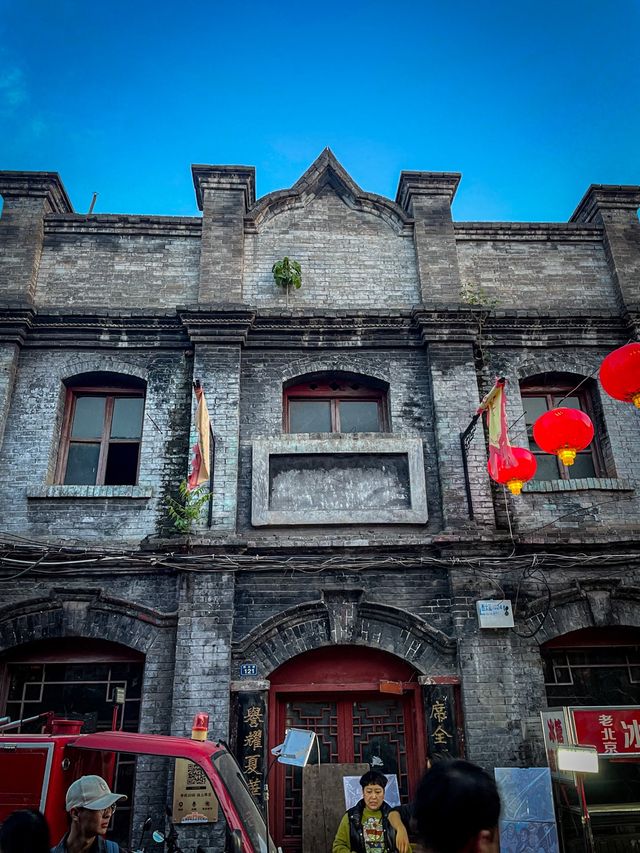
(547, 391)
(339, 402)
(102, 430)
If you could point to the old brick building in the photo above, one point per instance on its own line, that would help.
(342, 548)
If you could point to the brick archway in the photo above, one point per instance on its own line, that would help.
(344, 694)
(346, 617)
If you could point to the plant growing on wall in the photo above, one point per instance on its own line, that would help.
(185, 510)
(475, 295)
(287, 274)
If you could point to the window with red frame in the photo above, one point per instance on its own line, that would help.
(102, 433)
(538, 399)
(331, 405)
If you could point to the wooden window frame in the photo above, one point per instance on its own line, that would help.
(584, 396)
(110, 392)
(321, 390)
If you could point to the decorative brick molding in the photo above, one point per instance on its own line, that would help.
(69, 613)
(79, 492)
(345, 617)
(592, 603)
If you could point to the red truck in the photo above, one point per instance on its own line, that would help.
(37, 769)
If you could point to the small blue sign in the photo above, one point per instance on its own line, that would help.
(248, 670)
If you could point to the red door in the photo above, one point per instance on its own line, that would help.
(336, 693)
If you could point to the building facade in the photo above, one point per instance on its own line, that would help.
(331, 580)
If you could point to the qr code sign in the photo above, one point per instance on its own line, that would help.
(196, 777)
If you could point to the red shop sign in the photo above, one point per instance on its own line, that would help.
(613, 731)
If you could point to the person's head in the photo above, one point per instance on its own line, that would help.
(91, 804)
(373, 784)
(457, 808)
(24, 832)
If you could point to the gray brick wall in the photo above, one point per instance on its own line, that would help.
(566, 295)
(514, 271)
(104, 262)
(349, 259)
(32, 440)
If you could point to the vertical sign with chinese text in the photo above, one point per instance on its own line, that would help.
(252, 740)
(442, 733)
(555, 733)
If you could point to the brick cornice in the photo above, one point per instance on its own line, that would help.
(15, 323)
(217, 324)
(44, 185)
(601, 197)
(415, 184)
(225, 178)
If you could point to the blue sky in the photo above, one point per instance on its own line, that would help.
(531, 101)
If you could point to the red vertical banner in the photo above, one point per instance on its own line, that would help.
(200, 441)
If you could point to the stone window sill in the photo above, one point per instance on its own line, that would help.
(78, 492)
(603, 484)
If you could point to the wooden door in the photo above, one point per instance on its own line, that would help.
(354, 722)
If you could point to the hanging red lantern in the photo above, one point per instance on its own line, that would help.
(563, 432)
(516, 472)
(620, 374)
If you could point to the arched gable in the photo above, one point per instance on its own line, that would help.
(326, 173)
(345, 617)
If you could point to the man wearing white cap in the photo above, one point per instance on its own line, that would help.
(90, 804)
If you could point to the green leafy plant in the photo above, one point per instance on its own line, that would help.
(186, 509)
(287, 273)
(476, 296)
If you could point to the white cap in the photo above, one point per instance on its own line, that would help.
(91, 792)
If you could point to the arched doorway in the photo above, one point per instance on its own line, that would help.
(598, 667)
(76, 678)
(341, 692)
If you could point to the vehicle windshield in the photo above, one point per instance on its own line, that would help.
(248, 811)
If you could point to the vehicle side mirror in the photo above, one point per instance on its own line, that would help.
(236, 841)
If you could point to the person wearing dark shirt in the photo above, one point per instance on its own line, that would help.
(90, 804)
(371, 826)
(457, 809)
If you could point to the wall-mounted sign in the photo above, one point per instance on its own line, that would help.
(252, 740)
(556, 733)
(612, 730)
(495, 613)
(248, 670)
(442, 733)
(193, 798)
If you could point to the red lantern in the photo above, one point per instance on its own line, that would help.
(514, 475)
(563, 431)
(620, 374)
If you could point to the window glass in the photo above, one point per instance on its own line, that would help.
(82, 464)
(547, 467)
(309, 416)
(583, 466)
(533, 408)
(122, 464)
(567, 402)
(127, 417)
(359, 416)
(88, 417)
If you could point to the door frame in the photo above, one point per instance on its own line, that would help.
(414, 718)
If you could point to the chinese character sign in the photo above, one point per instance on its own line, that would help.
(555, 733)
(442, 734)
(613, 731)
(252, 741)
(193, 797)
